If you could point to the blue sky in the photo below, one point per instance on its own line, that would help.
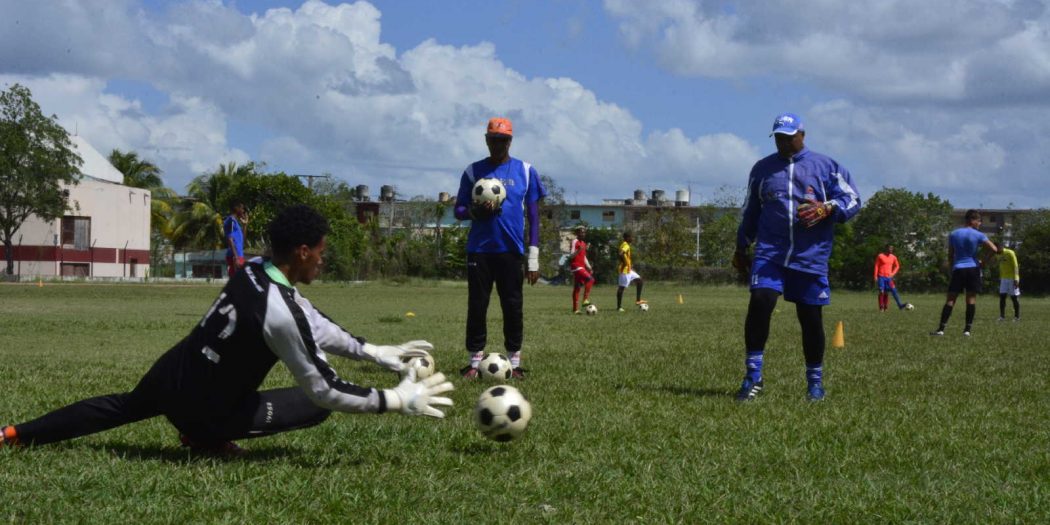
(948, 97)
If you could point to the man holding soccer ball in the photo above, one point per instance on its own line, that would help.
(794, 197)
(207, 384)
(496, 244)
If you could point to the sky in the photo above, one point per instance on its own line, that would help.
(950, 97)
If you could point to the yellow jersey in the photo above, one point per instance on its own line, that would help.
(625, 258)
(1008, 265)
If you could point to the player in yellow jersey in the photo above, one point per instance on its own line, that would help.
(627, 273)
(1009, 283)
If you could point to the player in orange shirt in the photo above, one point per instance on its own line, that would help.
(886, 266)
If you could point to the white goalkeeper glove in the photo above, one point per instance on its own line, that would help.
(419, 399)
(393, 357)
(534, 259)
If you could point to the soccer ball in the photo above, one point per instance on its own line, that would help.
(644, 307)
(424, 366)
(502, 413)
(495, 366)
(909, 306)
(591, 309)
(489, 190)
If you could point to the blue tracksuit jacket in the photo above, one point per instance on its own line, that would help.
(775, 189)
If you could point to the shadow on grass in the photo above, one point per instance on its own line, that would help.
(677, 390)
(252, 454)
(474, 448)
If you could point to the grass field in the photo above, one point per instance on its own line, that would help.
(633, 417)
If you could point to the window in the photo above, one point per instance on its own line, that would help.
(574, 215)
(75, 269)
(75, 232)
(608, 216)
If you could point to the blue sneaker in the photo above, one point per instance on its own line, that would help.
(816, 392)
(749, 389)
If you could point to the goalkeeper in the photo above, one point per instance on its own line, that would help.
(496, 244)
(207, 384)
(794, 198)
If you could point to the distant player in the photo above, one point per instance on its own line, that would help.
(233, 237)
(627, 273)
(963, 245)
(581, 270)
(496, 244)
(794, 198)
(207, 384)
(1009, 283)
(886, 266)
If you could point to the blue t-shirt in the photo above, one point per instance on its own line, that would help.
(231, 227)
(965, 242)
(505, 232)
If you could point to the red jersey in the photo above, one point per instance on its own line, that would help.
(580, 259)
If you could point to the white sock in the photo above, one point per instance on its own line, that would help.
(515, 359)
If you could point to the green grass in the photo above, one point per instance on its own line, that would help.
(633, 417)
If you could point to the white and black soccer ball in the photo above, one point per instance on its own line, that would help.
(644, 307)
(909, 306)
(502, 413)
(424, 366)
(489, 190)
(591, 309)
(495, 367)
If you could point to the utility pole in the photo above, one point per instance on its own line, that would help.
(310, 179)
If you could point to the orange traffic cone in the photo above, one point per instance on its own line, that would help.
(680, 300)
(839, 339)
(39, 283)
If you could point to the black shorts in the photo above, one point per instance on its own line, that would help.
(968, 279)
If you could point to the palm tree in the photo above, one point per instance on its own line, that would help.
(198, 223)
(138, 173)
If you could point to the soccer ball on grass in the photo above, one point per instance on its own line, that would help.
(591, 309)
(495, 367)
(502, 413)
(644, 307)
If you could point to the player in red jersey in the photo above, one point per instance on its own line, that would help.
(581, 270)
(887, 266)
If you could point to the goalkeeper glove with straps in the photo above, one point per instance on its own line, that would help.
(419, 399)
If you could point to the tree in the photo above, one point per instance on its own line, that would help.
(1032, 239)
(138, 173)
(552, 217)
(36, 160)
(915, 224)
(198, 222)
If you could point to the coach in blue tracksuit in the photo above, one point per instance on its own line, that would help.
(794, 197)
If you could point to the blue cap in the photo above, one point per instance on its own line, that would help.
(787, 124)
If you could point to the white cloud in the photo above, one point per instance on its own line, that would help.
(188, 138)
(893, 50)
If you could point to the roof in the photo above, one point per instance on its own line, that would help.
(95, 165)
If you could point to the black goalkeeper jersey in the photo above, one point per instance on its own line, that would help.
(255, 322)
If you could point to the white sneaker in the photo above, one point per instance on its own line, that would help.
(966, 333)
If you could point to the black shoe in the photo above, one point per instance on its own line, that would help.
(749, 390)
(937, 333)
(468, 372)
(517, 373)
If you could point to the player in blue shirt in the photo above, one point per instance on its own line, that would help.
(963, 245)
(496, 244)
(794, 198)
(233, 237)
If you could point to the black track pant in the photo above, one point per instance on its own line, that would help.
(506, 272)
(257, 414)
(810, 319)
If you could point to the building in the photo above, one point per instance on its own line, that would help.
(105, 232)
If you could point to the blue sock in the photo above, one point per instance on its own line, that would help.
(753, 363)
(815, 373)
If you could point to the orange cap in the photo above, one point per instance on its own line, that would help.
(499, 126)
